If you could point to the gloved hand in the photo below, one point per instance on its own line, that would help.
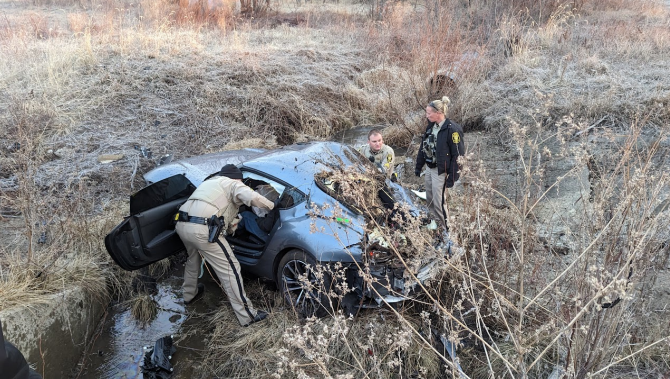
(372, 159)
(232, 226)
(417, 172)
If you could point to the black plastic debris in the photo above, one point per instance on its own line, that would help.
(157, 360)
(165, 159)
(144, 151)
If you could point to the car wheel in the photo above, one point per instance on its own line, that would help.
(300, 287)
(350, 304)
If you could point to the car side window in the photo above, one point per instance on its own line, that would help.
(273, 189)
(291, 197)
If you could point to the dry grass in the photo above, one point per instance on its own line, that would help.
(143, 308)
(71, 256)
(591, 65)
(376, 343)
(160, 269)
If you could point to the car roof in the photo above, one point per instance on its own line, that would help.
(298, 164)
(199, 167)
(294, 164)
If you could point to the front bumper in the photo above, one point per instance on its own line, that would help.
(392, 285)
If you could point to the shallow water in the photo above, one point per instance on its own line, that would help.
(119, 350)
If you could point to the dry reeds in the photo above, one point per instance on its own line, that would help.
(282, 347)
(143, 308)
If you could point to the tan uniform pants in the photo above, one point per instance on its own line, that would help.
(436, 195)
(220, 256)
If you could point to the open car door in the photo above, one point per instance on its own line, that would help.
(148, 235)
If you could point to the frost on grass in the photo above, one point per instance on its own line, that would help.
(340, 347)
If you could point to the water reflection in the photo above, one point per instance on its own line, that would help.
(119, 350)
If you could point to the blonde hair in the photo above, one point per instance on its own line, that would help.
(441, 106)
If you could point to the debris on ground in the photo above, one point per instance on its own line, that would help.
(157, 360)
(109, 158)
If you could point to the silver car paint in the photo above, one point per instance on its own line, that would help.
(296, 166)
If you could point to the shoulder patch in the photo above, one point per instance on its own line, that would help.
(455, 137)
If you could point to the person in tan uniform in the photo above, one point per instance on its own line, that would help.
(378, 153)
(221, 196)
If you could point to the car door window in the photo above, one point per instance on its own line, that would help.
(250, 177)
(273, 189)
(159, 193)
(291, 197)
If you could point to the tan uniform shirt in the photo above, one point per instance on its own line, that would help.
(437, 127)
(383, 158)
(223, 196)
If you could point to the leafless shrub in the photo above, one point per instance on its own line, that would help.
(580, 317)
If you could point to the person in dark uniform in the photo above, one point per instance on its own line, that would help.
(12, 363)
(219, 196)
(440, 148)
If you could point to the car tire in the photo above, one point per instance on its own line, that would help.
(349, 304)
(297, 264)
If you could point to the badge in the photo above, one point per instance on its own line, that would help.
(456, 137)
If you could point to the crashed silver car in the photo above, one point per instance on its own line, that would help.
(313, 225)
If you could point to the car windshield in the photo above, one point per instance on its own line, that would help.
(356, 190)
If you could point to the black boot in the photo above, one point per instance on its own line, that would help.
(260, 316)
(198, 295)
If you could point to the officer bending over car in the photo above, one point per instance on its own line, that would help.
(440, 148)
(378, 153)
(210, 211)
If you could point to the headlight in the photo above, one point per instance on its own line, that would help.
(377, 249)
(378, 256)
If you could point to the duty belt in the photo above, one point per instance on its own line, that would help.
(431, 165)
(184, 217)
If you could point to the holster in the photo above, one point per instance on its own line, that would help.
(215, 225)
(179, 216)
